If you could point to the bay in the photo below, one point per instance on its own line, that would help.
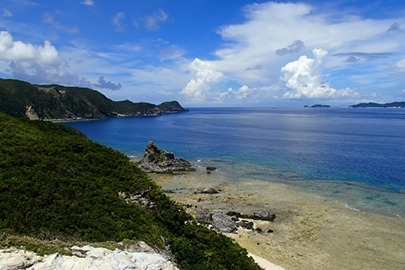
(355, 156)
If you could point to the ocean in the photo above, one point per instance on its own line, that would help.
(351, 155)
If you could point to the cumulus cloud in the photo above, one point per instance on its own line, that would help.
(151, 22)
(102, 83)
(88, 2)
(295, 47)
(205, 76)
(48, 18)
(38, 75)
(118, 19)
(273, 32)
(243, 92)
(36, 64)
(27, 53)
(303, 78)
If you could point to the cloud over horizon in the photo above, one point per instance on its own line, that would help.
(254, 54)
(303, 78)
(265, 37)
(102, 83)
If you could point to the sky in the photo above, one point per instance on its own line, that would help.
(210, 52)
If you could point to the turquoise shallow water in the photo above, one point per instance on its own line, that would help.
(355, 156)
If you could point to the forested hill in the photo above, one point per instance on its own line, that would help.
(22, 99)
(57, 184)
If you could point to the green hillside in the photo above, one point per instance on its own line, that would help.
(61, 102)
(57, 184)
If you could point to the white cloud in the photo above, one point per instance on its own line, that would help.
(205, 76)
(6, 13)
(117, 20)
(264, 48)
(27, 53)
(151, 22)
(48, 18)
(242, 93)
(401, 65)
(170, 53)
(35, 63)
(303, 78)
(88, 2)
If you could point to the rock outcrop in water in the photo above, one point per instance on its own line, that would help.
(156, 160)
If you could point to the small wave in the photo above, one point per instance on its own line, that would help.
(349, 207)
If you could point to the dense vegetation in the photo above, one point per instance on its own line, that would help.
(55, 183)
(61, 102)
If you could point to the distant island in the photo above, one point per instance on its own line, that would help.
(318, 106)
(61, 103)
(396, 104)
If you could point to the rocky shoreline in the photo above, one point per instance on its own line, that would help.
(81, 119)
(309, 232)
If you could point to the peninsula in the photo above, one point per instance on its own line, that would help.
(61, 103)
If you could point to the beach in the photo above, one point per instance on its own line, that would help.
(309, 232)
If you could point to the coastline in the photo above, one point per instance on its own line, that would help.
(310, 232)
(82, 119)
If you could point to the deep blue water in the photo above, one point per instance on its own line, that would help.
(327, 150)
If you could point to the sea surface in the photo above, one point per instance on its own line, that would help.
(351, 155)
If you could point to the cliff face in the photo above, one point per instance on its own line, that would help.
(22, 99)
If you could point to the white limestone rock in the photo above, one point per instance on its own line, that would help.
(90, 258)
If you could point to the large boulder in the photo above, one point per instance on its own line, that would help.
(218, 219)
(263, 215)
(157, 160)
(223, 222)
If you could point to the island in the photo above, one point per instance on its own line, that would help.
(318, 106)
(396, 104)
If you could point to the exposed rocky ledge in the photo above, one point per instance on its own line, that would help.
(156, 160)
(230, 221)
(86, 257)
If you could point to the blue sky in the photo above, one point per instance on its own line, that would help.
(210, 52)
